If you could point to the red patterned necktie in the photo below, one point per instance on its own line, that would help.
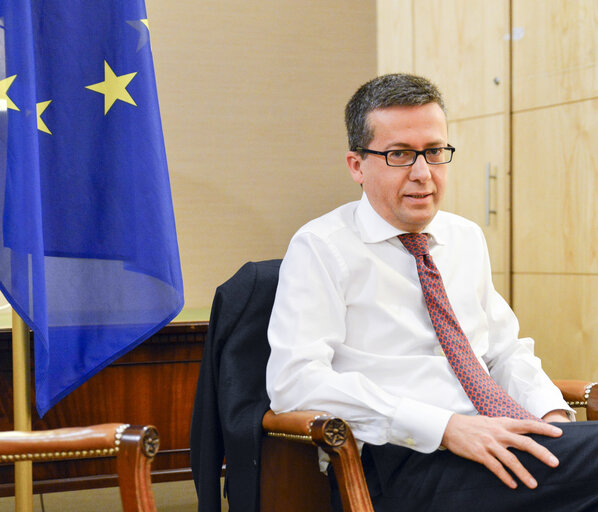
(485, 394)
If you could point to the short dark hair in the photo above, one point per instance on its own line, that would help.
(382, 92)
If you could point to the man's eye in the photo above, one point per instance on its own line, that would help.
(434, 151)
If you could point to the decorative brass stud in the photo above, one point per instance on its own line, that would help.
(290, 437)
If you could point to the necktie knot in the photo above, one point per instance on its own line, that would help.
(415, 243)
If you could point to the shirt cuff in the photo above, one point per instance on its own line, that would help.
(418, 425)
(541, 402)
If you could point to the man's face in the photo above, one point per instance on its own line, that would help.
(406, 197)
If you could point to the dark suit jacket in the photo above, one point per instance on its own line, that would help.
(231, 394)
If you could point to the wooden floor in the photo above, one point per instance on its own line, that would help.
(170, 497)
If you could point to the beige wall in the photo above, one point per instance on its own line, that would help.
(252, 97)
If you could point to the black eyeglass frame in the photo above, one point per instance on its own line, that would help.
(415, 151)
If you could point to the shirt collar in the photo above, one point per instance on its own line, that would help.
(373, 228)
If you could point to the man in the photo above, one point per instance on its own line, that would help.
(356, 330)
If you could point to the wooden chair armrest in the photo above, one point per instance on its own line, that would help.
(295, 424)
(62, 443)
(334, 436)
(139, 445)
(134, 447)
(580, 393)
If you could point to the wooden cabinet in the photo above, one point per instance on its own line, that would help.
(555, 181)
(555, 189)
(559, 312)
(461, 45)
(153, 384)
(555, 52)
(521, 84)
(478, 187)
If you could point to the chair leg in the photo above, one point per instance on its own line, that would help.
(138, 446)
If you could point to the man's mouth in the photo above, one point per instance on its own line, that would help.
(419, 196)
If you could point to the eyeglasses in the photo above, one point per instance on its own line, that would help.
(407, 157)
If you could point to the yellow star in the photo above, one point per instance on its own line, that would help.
(113, 88)
(5, 101)
(39, 109)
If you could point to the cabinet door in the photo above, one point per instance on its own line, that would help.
(478, 186)
(463, 46)
(559, 312)
(555, 186)
(555, 183)
(555, 52)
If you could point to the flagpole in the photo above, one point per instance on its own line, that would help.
(21, 371)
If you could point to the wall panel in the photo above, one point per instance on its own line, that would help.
(395, 36)
(252, 97)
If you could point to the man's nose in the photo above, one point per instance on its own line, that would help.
(420, 170)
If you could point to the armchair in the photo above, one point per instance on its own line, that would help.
(133, 446)
(272, 460)
(289, 449)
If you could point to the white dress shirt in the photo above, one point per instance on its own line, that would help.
(351, 335)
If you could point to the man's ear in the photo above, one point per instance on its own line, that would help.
(354, 162)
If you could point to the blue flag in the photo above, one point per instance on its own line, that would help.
(88, 251)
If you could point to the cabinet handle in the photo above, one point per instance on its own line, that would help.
(488, 178)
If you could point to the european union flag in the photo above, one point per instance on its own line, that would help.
(88, 250)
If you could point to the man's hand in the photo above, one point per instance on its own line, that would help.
(485, 440)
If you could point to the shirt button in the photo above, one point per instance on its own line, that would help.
(439, 352)
(409, 441)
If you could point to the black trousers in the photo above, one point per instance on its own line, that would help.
(403, 480)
